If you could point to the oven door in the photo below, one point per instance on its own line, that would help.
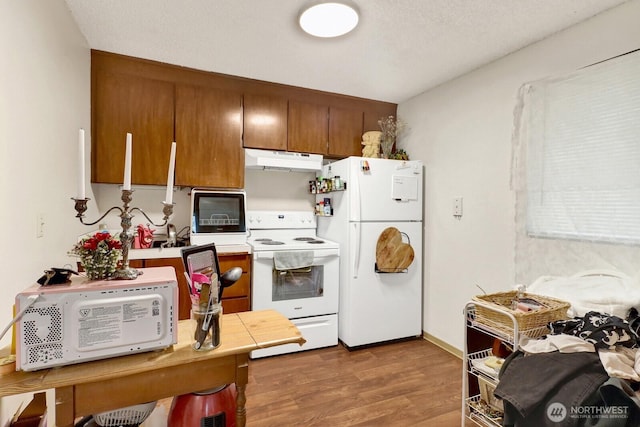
(303, 292)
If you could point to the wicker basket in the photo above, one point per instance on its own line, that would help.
(491, 313)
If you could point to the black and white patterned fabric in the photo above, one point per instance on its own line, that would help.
(602, 330)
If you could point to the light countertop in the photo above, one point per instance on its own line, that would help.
(154, 253)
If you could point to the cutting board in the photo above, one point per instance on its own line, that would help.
(392, 254)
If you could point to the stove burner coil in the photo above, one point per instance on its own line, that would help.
(272, 242)
(304, 239)
(315, 241)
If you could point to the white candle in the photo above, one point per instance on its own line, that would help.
(127, 165)
(81, 188)
(172, 164)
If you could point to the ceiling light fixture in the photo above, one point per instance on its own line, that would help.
(328, 19)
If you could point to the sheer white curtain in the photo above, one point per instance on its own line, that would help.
(576, 171)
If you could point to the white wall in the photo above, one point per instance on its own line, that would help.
(462, 131)
(275, 190)
(45, 87)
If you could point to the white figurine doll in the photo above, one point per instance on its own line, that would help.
(371, 143)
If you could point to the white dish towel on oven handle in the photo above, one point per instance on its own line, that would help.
(292, 260)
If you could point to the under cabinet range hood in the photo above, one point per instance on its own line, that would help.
(281, 160)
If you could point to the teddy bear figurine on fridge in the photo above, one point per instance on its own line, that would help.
(371, 143)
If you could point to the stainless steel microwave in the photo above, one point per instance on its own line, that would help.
(218, 216)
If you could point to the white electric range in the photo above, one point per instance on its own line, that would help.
(295, 273)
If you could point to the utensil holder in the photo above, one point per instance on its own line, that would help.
(206, 326)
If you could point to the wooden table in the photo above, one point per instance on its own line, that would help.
(93, 387)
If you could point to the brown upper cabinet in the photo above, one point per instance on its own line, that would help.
(265, 122)
(308, 127)
(371, 118)
(277, 124)
(345, 132)
(140, 106)
(331, 131)
(208, 130)
(211, 117)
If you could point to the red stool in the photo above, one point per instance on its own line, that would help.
(210, 408)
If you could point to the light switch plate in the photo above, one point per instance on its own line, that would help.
(40, 225)
(457, 207)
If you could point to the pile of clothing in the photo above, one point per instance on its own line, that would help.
(586, 372)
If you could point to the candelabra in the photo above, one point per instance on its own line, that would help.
(126, 237)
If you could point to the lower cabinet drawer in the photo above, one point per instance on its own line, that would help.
(235, 298)
(235, 305)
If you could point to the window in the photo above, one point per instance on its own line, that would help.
(583, 153)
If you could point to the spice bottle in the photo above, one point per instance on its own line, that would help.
(327, 207)
(338, 182)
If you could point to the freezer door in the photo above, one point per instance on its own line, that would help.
(385, 190)
(376, 307)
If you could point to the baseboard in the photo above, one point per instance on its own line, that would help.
(443, 345)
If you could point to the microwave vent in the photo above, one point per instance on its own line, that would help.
(45, 353)
(43, 325)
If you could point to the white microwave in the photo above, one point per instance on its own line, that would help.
(218, 216)
(89, 320)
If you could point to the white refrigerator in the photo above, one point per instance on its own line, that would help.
(379, 213)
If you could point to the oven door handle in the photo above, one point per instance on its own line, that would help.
(332, 253)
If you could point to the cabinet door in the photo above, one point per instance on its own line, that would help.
(143, 107)
(208, 127)
(184, 297)
(308, 127)
(236, 297)
(372, 115)
(235, 305)
(265, 122)
(345, 132)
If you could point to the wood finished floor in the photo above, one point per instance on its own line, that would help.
(410, 383)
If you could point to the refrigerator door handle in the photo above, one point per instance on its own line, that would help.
(356, 247)
(356, 202)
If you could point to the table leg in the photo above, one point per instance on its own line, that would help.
(241, 411)
(65, 411)
(242, 379)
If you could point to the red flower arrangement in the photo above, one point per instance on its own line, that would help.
(98, 255)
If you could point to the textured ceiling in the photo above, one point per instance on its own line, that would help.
(400, 49)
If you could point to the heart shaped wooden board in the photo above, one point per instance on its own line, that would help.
(392, 254)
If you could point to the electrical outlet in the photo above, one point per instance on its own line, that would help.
(40, 225)
(457, 207)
